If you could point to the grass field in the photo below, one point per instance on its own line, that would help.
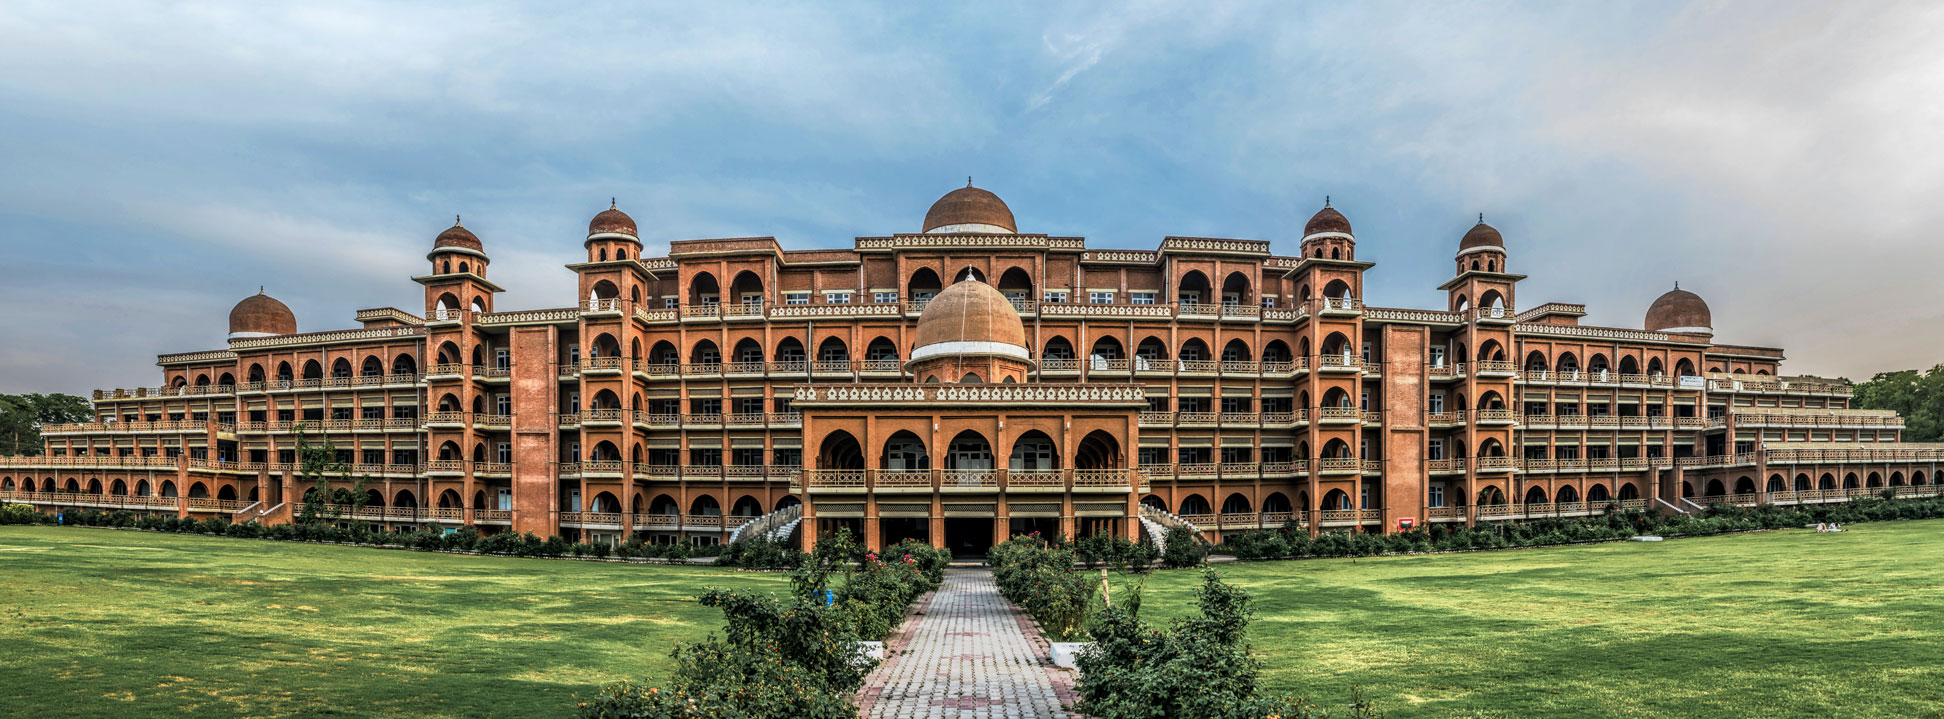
(1773, 624)
(104, 623)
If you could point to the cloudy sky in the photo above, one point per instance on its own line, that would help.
(159, 161)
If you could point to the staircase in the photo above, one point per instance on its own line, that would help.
(1158, 521)
(1671, 508)
(776, 526)
(255, 513)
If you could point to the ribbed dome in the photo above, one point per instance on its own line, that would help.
(970, 317)
(1327, 220)
(1481, 235)
(1679, 309)
(261, 315)
(612, 221)
(970, 209)
(456, 236)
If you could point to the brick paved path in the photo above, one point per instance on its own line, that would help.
(970, 656)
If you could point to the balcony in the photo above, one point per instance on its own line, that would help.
(1495, 416)
(1337, 306)
(1339, 415)
(1491, 368)
(1335, 363)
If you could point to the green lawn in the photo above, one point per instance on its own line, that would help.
(104, 623)
(1771, 624)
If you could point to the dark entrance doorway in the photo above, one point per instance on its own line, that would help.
(968, 537)
(1046, 526)
(897, 529)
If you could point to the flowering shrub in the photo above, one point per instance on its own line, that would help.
(1038, 576)
(1198, 668)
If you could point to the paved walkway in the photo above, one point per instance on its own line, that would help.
(972, 655)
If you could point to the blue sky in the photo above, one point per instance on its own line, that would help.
(160, 161)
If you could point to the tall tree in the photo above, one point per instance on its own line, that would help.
(1918, 396)
(23, 415)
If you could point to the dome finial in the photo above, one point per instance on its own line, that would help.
(1677, 284)
(1481, 218)
(259, 289)
(455, 221)
(613, 204)
(968, 180)
(1326, 200)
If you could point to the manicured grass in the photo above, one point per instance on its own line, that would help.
(104, 623)
(1772, 624)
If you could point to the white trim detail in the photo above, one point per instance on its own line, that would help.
(1688, 330)
(613, 236)
(1329, 236)
(969, 347)
(977, 227)
(1481, 248)
(251, 335)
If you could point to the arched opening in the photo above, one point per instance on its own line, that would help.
(1098, 450)
(1150, 354)
(1803, 483)
(1155, 502)
(256, 373)
(786, 502)
(1566, 494)
(1715, 488)
(405, 498)
(1535, 361)
(1828, 481)
(1235, 290)
(1874, 480)
(313, 370)
(1194, 504)
(1568, 363)
(663, 354)
(704, 291)
(1016, 285)
(1596, 493)
(832, 350)
(1193, 289)
(341, 368)
(450, 499)
(1194, 350)
(882, 354)
(904, 451)
(1684, 368)
(1105, 349)
(1235, 351)
(969, 451)
(1535, 495)
(1745, 485)
(1850, 482)
(1629, 365)
(196, 491)
(748, 355)
(1491, 351)
(1033, 451)
(1777, 484)
(1629, 492)
(747, 290)
(1336, 500)
(225, 492)
(705, 352)
(1654, 367)
(790, 352)
(1276, 352)
(373, 367)
(1236, 504)
(605, 502)
(1276, 503)
(840, 450)
(404, 365)
(746, 506)
(1058, 348)
(923, 285)
(1896, 479)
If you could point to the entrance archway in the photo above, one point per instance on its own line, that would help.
(968, 536)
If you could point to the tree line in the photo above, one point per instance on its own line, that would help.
(1917, 395)
(22, 416)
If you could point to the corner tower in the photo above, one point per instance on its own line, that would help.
(1481, 292)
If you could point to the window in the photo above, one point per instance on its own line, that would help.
(503, 404)
(884, 297)
(1141, 298)
(1437, 356)
(1434, 450)
(837, 298)
(1153, 455)
(1363, 401)
(1437, 495)
(796, 298)
(502, 358)
(1055, 296)
(668, 303)
(1366, 353)
(1269, 303)
(1100, 298)
(787, 457)
(1437, 403)
(504, 453)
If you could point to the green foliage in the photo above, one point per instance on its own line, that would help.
(1292, 541)
(22, 416)
(760, 554)
(1918, 396)
(1114, 552)
(1200, 667)
(1182, 548)
(1038, 575)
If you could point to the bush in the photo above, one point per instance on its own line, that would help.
(1198, 668)
(1182, 548)
(759, 554)
(1038, 576)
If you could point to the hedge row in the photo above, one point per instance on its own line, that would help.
(1037, 574)
(434, 538)
(1293, 541)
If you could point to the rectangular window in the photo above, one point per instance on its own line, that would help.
(748, 457)
(786, 457)
(669, 303)
(796, 298)
(503, 404)
(1153, 455)
(837, 298)
(1437, 495)
(1055, 296)
(1141, 298)
(504, 453)
(884, 297)
(1100, 298)
(502, 358)
(705, 457)
(1269, 303)
(1437, 403)
(1435, 449)
(1437, 356)
(1366, 353)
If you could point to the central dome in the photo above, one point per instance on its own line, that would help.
(970, 209)
(970, 318)
(261, 315)
(1679, 311)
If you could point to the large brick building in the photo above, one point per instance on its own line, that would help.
(969, 380)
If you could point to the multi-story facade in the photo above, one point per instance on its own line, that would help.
(970, 380)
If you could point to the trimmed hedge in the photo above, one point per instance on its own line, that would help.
(1038, 575)
(434, 538)
(1293, 541)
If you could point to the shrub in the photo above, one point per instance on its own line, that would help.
(1198, 668)
(1182, 548)
(1038, 576)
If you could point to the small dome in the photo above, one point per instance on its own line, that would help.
(969, 209)
(1679, 311)
(456, 236)
(1327, 220)
(612, 221)
(261, 315)
(1481, 235)
(970, 317)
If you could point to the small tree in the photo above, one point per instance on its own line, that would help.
(315, 464)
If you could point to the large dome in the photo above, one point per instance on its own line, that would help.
(612, 221)
(1481, 235)
(1679, 311)
(261, 315)
(969, 209)
(1327, 220)
(457, 237)
(970, 318)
